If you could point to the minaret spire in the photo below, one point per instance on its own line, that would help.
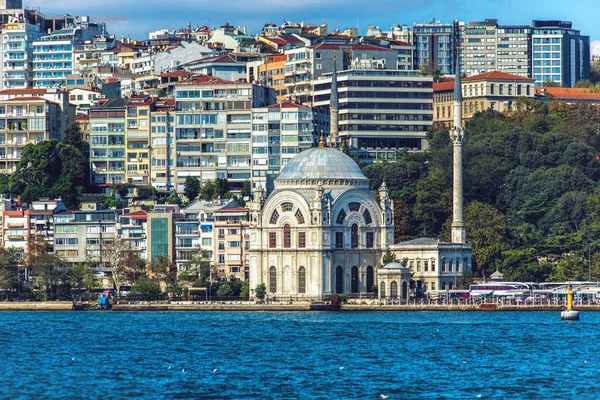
(334, 107)
(457, 134)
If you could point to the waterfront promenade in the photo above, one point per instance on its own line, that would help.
(281, 306)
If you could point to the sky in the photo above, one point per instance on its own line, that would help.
(144, 16)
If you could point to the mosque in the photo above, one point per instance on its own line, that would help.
(322, 231)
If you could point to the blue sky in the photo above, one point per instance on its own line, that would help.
(144, 16)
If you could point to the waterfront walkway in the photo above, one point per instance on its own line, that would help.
(281, 306)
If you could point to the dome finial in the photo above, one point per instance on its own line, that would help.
(321, 141)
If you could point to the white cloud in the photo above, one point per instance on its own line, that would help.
(595, 48)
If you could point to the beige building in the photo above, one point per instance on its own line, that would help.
(493, 90)
(231, 226)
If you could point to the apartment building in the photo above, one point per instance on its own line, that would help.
(560, 53)
(487, 46)
(54, 54)
(194, 232)
(107, 142)
(16, 64)
(232, 241)
(213, 129)
(272, 73)
(435, 45)
(381, 111)
(137, 137)
(308, 64)
(41, 219)
(25, 120)
(279, 132)
(84, 99)
(16, 230)
(490, 91)
(162, 149)
(161, 232)
(132, 228)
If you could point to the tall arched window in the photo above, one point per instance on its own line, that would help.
(393, 290)
(273, 280)
(287, 236)
(369, 279)
(354, 236)
(354, 283)
(301, 280)
(339, 280)
(382, 290)
(404, 290)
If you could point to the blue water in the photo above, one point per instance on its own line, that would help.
(403, 355)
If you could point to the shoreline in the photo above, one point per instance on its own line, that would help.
(68, 306)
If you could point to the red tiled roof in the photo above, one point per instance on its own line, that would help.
(137, 214)
(82, 118)
(399, 42)
(285, 104)
(337, 46)
(175, 74)
(567, 93)
(204, 80)
(443, 86)
(31, 98)
(277, 40)
(498, 75)
(23, 91)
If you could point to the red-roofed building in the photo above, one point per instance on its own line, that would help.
(567, 95)
(272, 73)
(493, 90)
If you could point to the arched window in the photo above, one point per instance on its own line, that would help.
(367, 217)
(287, 236)
(287, 206)
(465, 263)
(457, 264)
(404, 290)
(369, 279)
(340, 217)
(393, 290)
(274, 217)
(354, 283)
(299, 217)
(339, 280)
(273, 280)
(354, 206)
(301, 280)
(354, 236)
(382, 290)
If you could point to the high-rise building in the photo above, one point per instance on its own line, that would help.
(560, 54)
(16, 67)
(137, 139)
(380, 111)
(487, 46)
(434, 46)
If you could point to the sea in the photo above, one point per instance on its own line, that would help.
(298, 355)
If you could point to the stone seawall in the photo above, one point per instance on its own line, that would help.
(36, 306)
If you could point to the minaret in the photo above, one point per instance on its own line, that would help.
(457, 134)
(334, 108)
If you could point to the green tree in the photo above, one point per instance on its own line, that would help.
(260, 291)
(197, 270)
(569, 268)
(224, 290)
(432, 206)
(550, 84)
(55, 275)
(145, 289)
(245, 289)
(164, 271)
(9, 270)
(486, 232)
(73, 136)
(191, 188)
(145, 192)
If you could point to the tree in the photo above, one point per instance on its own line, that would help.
(73, 136)
(145, 289)
(164, 271)
(83, 277)
(550, 84)
(197, 269)
(122, 261)
(486, 232)
(9, 270)
(191, 188)
(260, 291)
(245, 289)
(55, 275)
(569, 268)
(145, 192)
(224, 290)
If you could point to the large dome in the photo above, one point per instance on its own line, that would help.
(321, 163)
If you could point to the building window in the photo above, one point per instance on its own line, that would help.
(272, 240)
(418, 266)
(287, 207)
(432, 265)
(393, 290)
(354, 236)
(299, 217)
(339, 240)
(367, 217)
(443, 265)
(301, 280)
(301, 240)
(287, 236)
(274, 217)
(458, 265)
(341, 216)
(354, 206)
(426, 266)
(449, 265)
(432, 285)
(370, 237)
(491, 88)
(272, 280)
(382, 290)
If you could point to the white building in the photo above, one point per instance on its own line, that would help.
(17, 54)
(321, 231)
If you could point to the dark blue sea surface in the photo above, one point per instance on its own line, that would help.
(264, 355)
